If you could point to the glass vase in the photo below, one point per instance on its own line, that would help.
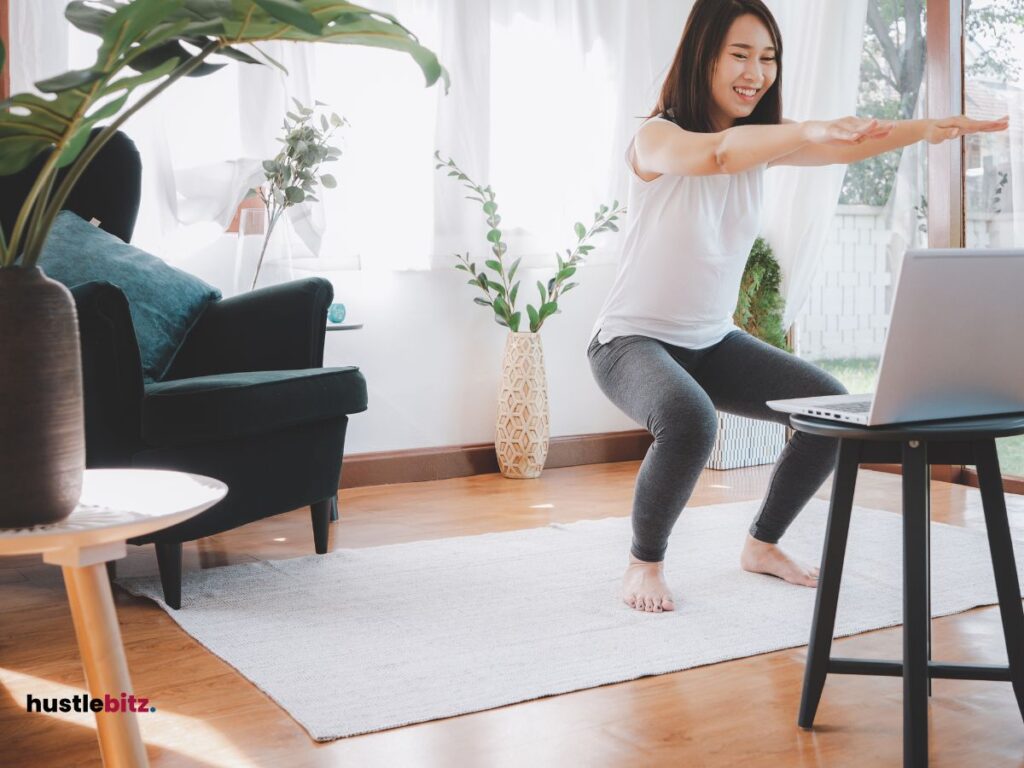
(261, 260)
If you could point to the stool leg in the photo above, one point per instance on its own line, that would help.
(915, 604)
(831, 571)
(1001, 548)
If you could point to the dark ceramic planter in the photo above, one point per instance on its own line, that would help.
(42, 435)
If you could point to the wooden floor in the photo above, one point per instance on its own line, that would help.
(737, 713)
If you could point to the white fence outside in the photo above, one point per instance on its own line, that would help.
(847, 313)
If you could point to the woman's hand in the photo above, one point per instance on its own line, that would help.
(846, 130)
(947, 128)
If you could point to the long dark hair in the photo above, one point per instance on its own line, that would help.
(686, 95)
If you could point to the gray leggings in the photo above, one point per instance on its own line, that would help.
(674, 392)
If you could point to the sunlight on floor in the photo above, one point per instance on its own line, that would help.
(187, 736)
(542, 506)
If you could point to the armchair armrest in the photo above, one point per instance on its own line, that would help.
(111, 374)
(277, 328)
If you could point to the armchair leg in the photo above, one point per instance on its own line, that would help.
(320, 512)
(112, 569)
(168, 559)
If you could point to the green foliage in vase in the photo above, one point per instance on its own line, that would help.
(760, 304)
(293, 175)
(500, 292)
(155, 43)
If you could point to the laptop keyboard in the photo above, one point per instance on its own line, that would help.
(861, 407)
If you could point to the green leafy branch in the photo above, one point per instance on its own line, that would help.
(759, 306)
(503, 299)
(147, 42)
(293, 175)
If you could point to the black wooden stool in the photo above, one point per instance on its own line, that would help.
(915, 445)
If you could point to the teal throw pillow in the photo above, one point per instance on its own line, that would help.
(165, 302)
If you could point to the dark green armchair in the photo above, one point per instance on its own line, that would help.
(246, 400)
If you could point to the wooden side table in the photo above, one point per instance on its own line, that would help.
(916, 446)
(115, 505)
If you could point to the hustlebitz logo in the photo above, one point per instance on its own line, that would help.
(83, 702)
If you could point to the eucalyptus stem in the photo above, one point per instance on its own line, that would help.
(34, 246)
(266, 241)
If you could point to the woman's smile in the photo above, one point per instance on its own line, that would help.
(747, 94)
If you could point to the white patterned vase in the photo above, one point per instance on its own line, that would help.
(743, 442)
(521, 433)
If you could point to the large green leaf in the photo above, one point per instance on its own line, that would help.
(78, 78)
(291, 12)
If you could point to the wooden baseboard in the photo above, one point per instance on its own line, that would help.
(1011, 484)
(418, 464)
(414, 465)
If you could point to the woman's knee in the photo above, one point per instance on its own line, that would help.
(685, 420)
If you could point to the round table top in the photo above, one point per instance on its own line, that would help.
(968, 428)
(116, 505)
(343, 326)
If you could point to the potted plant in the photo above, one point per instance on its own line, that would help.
(522, 431)
(744, 442)
(150, 43)
(292, 178)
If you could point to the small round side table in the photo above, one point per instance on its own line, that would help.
(340, 327)
(115, 505)
(915, 445)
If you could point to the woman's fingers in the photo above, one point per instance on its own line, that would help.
(963, 125)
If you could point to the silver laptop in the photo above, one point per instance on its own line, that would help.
(954, 348)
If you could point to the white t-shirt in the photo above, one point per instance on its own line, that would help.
(685, 245)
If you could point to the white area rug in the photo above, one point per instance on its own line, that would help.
(361, 640)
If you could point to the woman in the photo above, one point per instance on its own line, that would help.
(664, 347)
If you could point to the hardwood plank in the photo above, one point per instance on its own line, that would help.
(741, 712)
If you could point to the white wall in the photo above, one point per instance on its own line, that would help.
(432, 358)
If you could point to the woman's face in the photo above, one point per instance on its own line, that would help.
(745, 69)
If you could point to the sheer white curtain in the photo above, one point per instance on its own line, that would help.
(544, 97)
(822, 51)
(905, 215)
(1015, 108)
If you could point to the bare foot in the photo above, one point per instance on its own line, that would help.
(644, 588)
(761, 557)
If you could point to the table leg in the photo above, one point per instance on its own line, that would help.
(830, 574)
(915, 604)
(106, 670)
(1001, 548)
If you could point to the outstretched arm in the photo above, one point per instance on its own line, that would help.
(891, 134)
